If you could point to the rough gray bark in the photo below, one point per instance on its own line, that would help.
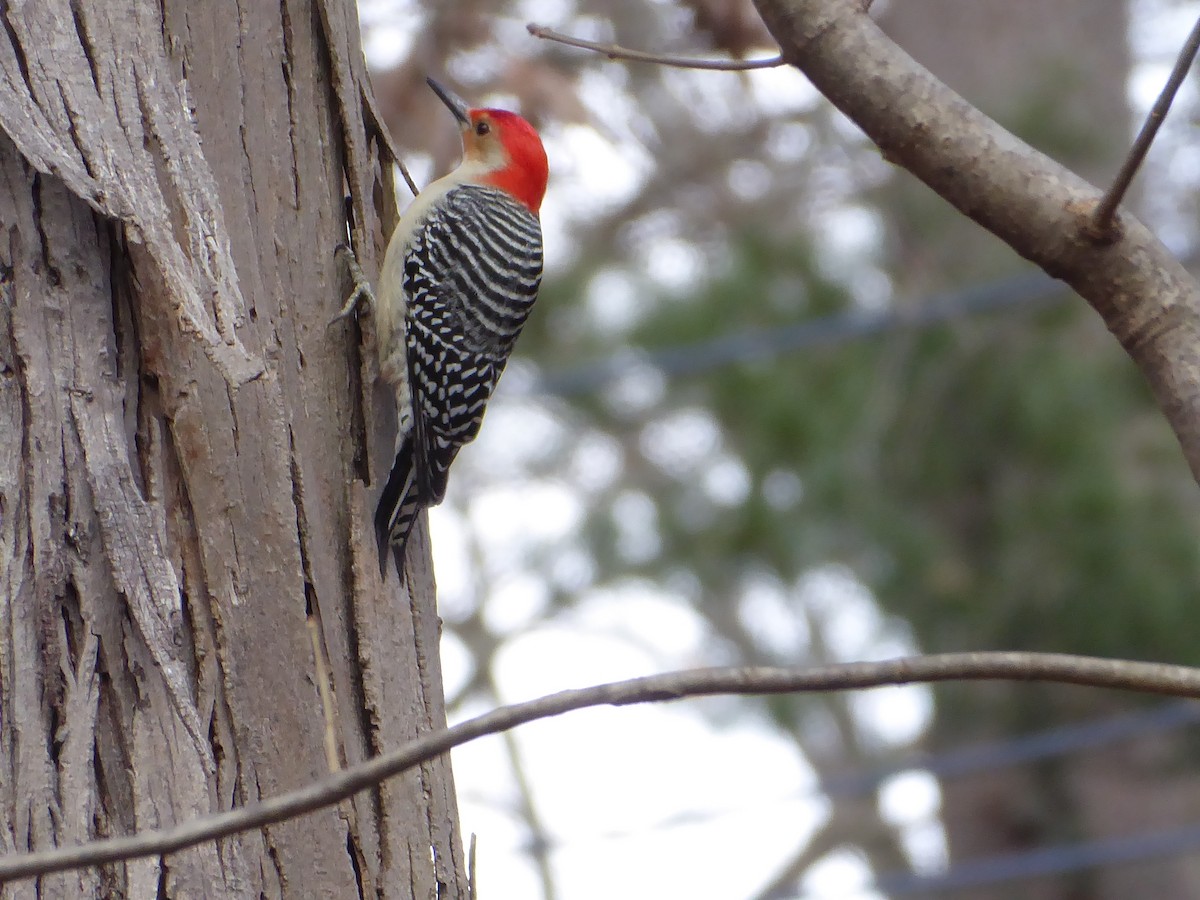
(184, 556)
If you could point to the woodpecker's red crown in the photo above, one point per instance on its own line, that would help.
(525, 167)
(500, 148)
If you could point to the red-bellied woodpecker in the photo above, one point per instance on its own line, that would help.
(461, 272)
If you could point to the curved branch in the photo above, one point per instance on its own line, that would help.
(1039, 208)
(1157, 678)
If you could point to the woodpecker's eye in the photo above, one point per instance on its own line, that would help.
(482, 128)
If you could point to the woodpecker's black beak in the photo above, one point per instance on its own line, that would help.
(455, 103)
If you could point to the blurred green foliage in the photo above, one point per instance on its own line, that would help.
(1003, 481)
(1000, 482)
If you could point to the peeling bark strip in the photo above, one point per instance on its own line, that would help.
(99, 107)
(1039, 208)
(183, 528)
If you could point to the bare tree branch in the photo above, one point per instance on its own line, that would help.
(471, 890)
(1154, 678)
(1101, 224)
(1039, 208)
(612, 51)
(377, 122)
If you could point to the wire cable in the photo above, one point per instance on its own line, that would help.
(1026, 291)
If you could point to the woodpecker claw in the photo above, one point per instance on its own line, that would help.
(362, 288)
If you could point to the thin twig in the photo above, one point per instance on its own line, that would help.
(1155, 678)
(381, 129)
(1100, 228)
(472, 890)
(612, 51)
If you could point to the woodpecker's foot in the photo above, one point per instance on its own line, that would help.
(362, 288)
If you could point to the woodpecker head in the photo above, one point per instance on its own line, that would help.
(499, 149)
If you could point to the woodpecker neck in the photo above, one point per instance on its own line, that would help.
(519, 185)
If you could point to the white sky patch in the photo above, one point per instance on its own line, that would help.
(789, 141)
(1184, 168)
(385, 43)
(925, 845)
(719, 102)
(1147, 80)
(512, 517)
(673, 264)
(635, 517)
(596, 462)
(832, 185)
(893, 716)
(545, 12)
(520, 380)
(912, 801)
(767, 611)
(851, 620)
(515, 603)
(638, 388)
(840, 875)
(667, 627)
(479, 65)
(457, 662)
(590, 174)
(726, 481)
(501, 842)
(584, 159)
(782, 90)
(1157, 27)
(604, 92)
(750, 179)
(517, 433)
(556, 230)
(680, 441)
(613, 302)
(448, 537)
(500, 851)
(848, 235)
(572, 569)
(688, 810)
(566, 657)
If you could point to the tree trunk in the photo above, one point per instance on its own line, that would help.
(190, 612)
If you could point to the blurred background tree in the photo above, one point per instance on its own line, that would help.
(735, 434)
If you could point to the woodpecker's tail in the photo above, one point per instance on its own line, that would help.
(398, 507)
